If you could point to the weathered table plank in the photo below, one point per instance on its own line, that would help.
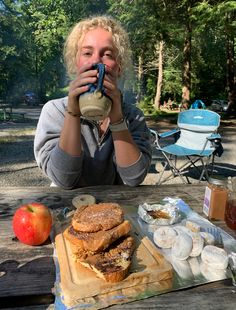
(27, 274)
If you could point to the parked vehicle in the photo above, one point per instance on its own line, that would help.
(31, 98)
(219, 105)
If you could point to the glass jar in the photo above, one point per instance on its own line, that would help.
(230, 210)
(215, 199)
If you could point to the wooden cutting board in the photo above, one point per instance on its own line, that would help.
(79, 283)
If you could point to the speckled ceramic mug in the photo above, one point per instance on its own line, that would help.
(95, 104)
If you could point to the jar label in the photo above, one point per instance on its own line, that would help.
(207, 201)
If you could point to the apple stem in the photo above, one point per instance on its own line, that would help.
(30, 209)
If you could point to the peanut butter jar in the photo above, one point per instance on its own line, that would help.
(215, 198)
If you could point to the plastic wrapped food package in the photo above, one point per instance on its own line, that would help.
(159, 214)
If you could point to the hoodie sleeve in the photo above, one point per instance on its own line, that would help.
(62, 168)
(134, 175)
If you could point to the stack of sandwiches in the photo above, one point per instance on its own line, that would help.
(100, 240)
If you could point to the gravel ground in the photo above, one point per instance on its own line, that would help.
(18, 166)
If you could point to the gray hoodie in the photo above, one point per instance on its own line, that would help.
(97, 164)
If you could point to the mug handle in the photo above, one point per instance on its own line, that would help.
(101, 74)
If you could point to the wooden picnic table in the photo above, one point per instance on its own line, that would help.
(27, 274)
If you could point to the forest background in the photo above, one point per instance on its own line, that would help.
(182, 50)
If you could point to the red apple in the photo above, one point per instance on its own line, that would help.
(32, 223)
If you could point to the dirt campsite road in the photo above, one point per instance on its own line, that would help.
(18, 166)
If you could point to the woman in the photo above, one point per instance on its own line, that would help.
(74, 151)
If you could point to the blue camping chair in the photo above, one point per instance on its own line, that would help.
(198, 104)
(195, 140)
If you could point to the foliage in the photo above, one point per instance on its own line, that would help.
(147, 106)
(58, 93)
(32, 35)
(31, 57)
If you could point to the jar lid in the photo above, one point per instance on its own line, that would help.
(218, 180)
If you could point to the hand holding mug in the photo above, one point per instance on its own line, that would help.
(94, 104)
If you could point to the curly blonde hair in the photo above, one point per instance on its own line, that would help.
(76, 36)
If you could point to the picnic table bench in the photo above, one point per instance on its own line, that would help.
(6, 109)
(8, 112)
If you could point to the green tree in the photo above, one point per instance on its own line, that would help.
(185, 44)
(32, 36)
(147, 25)
(215, 32)
(11, 66)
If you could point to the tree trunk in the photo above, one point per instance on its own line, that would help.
(160, 77)
(186, 79)
(140, 91)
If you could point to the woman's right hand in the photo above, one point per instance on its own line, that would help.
(79, 85)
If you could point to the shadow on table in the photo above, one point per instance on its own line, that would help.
(15, 277)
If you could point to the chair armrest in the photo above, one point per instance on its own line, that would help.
(215, 136)
(157, 136)
(215, 140)
(169, 133)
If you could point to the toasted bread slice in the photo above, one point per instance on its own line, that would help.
(113, 264)
(97, 241)
(96, 217)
